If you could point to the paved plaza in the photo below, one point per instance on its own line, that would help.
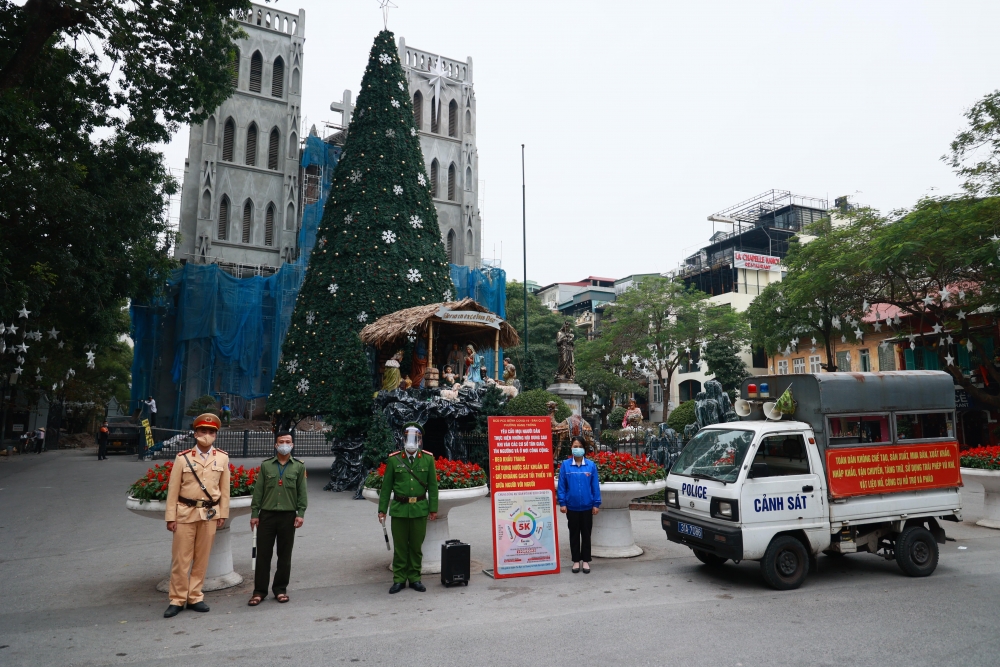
(77, 575)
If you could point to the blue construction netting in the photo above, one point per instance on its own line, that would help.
(213, 333)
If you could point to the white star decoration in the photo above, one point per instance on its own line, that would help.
(945, 294)
(961, 315)
(835, 322)
(416, 222)
(949, 360)
(90, 360)
(302, 386)
(968, 345)
(413, 131)
(928, 300)
(332, 289)
(437, 75)
(18, 370)
(22, 348)
(937, 328)
(877, 326)
(858, 334)
(413, 276)
(389, 236)
(24, 312)
(11, 329)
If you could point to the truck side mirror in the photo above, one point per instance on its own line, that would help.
(758, 470)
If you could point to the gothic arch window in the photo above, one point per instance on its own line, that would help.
(269, 226)
(453, 119)
(468, 241)
(290, 218)
(451, 247)
(451, 181)
(418, 110)
(247, 221)
(256, 69)
(434, 178)
(234, 67)
(295, 81)
(293, 146)
(251, 152)
(210, 130)
(224, 218)
(278, 78)
(228, 135)
(434, 115)
(206, 205)
(468, 178)
(272, 149)
(468, 121)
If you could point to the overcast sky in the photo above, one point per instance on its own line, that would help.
(640, 119)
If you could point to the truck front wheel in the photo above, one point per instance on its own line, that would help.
(709, 559)
(916, 551)
(785, 564)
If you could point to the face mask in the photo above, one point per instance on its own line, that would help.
(284, 449)
(578, 452)
(205, 439)
(410, 447)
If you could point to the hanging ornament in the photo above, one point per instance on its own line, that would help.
(397, 189)
(389, 236)
(310, 317)
(22, 348)
(968, 345)
(332, 288)
(302, 386)
(835, 322)
(945, 294)
(937, 328)
(18, 370)
(291, 366)
(961, 315)
(961, 294)
(843, 339)
(362, 316)
(858, 334)
(877, 326)
(949, 360)
(11, 329)
(413, 276)
(864, 306)
(416, 222)
(24, 312)
(928, 300)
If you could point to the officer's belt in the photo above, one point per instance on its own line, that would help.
(409, 499)
(197, 503)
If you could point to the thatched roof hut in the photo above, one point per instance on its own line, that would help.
(393, 330)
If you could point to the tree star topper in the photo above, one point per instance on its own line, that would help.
(385, 6)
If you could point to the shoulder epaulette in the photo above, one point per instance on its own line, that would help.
(186, 451)
(221, 451)
(395, 453)
(424, 451)
(299, 460)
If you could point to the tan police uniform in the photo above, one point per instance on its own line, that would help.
(188, 505)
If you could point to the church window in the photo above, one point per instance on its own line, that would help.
(295, 81)
(468, 121)
(434, 115)
(278, 78)
(206, 204)
(468, 178)
(272, 149)
(210, 130)
(418, 110)
(224, 218)
(269, 226)
(434, 178)
(234, 67)
(453, 119)
(452, 247)
(228, 133)
(468, 240)
(247, 220)
(251, 152)
(256, 67)
(290, 217)
(451, 182)
(293, 147)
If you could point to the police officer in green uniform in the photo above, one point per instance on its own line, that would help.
(411, 478)
(277, 509)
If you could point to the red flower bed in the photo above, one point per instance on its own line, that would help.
(450, 475)
(987, 458)
(153, 486)
(621, 467)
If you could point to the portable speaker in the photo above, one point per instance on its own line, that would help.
(455, 563)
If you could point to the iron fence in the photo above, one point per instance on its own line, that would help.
(238, 444)
(472, 448)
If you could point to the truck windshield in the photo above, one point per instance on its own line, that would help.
(714, 454)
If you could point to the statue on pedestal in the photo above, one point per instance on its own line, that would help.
(566, 371)
(390, 376)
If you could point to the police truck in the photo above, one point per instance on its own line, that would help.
(832, 463)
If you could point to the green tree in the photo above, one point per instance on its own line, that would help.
(724, 360)
(534, 404)
(379, 441)
(603, 379)
(656, 326)
(682, 415)
(542, 327)
(87, 90)
(379, 251)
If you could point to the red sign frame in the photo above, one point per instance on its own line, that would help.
(865, 471)
(521, 461)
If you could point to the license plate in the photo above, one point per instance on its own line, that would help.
(688, 529)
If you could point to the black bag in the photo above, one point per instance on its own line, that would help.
(455, 563)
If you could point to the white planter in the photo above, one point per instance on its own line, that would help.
(612, 533)
(990, 479)
(437, 530)
(220, 573)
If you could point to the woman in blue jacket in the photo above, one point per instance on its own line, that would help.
(579, 497)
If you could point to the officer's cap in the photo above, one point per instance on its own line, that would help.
(208, 420)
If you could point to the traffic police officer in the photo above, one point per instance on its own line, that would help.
(411, 478)
(277, 509)
(197, 505)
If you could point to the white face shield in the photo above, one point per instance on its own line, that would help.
(413, 440)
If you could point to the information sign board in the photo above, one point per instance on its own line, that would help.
(862, 471)
(149, 433)
(522, 494)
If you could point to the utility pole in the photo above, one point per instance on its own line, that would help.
(524, 245)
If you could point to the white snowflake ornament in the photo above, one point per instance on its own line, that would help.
(397, 189)
(413, 131)
(385, 58)
(421, 178)
(416, 222)
(389, 236)
(310, 317)
(390, 133)
(292, 366)
(303, 386)
(332, 289)
(447, 295)
(322, 242)
(413, 276)
(394, 103)
(355, 176)
(362, 316)
(401, 86)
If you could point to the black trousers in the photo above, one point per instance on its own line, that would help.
(280, 527)
(580, 524)
(102, 450)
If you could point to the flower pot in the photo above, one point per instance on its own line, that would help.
(220, 573)
(990, 479)
(437, 530)
(612, 533)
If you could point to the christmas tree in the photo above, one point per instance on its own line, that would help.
(378, 250)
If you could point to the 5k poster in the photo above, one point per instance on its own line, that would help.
(522, 491)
